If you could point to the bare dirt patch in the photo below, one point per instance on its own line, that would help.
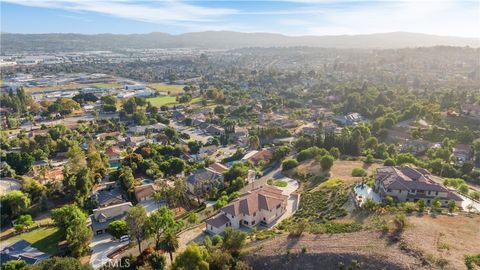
(448, 237)
(341, 169)
(362, 250)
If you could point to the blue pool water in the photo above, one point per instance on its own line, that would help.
(147, 181)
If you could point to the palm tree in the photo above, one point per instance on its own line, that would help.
(169, 243)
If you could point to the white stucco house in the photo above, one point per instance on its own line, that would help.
(262, 205)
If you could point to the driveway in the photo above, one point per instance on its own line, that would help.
(467, 202)
(151, 205)
(101, 246)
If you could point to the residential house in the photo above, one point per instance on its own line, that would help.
(255, 157)
(350, 119)
(147, 128)
(262, 205)
(462, 152)
(22, 250)
(214, 130)
(472, 110)
(145, 192)
(203, 180)
(108, 193)
(414, 146)
(218, 167)
(207, 150)
(406, 184)
(114, 155)
(101, 217)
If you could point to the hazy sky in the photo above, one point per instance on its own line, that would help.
(295, 17)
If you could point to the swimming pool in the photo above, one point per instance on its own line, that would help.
(147, 181)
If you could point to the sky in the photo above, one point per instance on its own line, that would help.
(289, 17)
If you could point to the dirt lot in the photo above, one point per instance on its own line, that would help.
(361, 250)
(341, 169)
(445, 237)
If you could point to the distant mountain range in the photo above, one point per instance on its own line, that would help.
(221, 40)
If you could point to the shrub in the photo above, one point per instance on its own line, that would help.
(421, 205)
(475, 195)
(24, 221)
(359, 172)
(326, 162)
(389, 162)
(463, 188)
(369, 159)
(289, 164)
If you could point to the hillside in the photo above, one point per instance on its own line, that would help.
(220, 40)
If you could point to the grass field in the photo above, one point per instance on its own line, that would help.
(170, 100)
(44, 239)
(174, 89)
(162, 100)
(70, 86)
(107, 85)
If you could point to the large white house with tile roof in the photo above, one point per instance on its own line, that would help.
(262, 205)
(406, 184)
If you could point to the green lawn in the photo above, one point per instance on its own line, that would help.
(174, 89)
(162, 100)
(44, 239)
(280, 183)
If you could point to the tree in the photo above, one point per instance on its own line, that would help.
(421, 205)
(59, 263)
(7, 171)
(436, 205)
(118, 228)
(451, 206)
(280, 153)
(23, 221)
(126, 178)
(157, 261)
(137, 221)
(78, 237)
(233, 240)
(97, 163)
(76, 158)
(159, 222)
(83, 185)
(221, 202)
(326, 162)
(254, 142)
(169, 242)
(389, 162)
(14, 265)
(193, 218)
(463, 188)
(289, 164)
(130, 106)
(20, 162)
(194, 257)
(14, 202)
(335, 152)
(72, 222)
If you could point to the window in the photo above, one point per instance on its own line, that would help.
(254, 213)
(436, 193)
(278, 206)
(389, 190)
(253, 222)
(245, 222)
